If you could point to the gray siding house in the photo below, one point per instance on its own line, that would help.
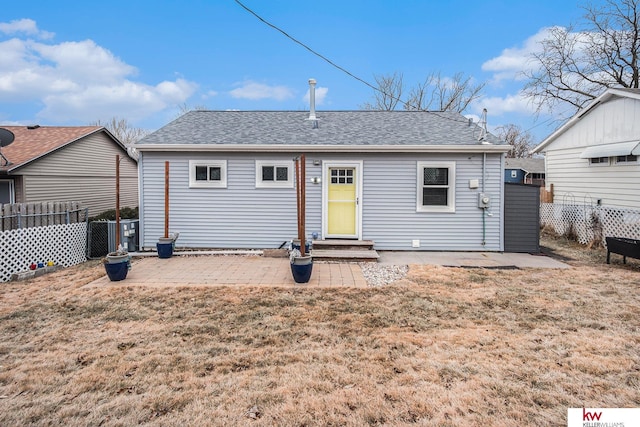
(406, 180)
(67, 163)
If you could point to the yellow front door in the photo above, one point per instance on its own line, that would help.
(342, 202)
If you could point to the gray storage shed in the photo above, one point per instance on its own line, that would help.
(521, 218)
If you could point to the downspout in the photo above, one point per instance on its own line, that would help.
(484, 210)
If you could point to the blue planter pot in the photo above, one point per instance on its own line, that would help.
(117, 271)
(301, 269)
(295, 244)
(165, 250)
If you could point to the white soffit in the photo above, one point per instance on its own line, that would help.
(612, 150)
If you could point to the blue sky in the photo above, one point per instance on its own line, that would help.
(76, 62)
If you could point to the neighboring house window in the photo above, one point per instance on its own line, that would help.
(436, 186)
(599, 161)
(208, 173)
(274, 174)
(627, 159)
(6, 191)
(514, 174)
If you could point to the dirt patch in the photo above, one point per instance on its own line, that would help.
(442, 346)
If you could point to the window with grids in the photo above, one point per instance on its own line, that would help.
(436, 187)
(599, 161)
(627, 159)
(208, 174)
(342, 176)
(274, 174)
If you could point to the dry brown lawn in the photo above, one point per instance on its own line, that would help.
(444, 347)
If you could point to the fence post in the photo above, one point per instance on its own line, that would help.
(67, 219)
(19, 220)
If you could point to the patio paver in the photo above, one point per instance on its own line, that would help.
(213, 270)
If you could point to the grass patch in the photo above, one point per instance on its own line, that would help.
(446, 346)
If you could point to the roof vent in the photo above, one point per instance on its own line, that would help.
(31, 127)
(483, 128)
(312, 103)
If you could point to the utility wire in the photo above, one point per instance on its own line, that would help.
(333, 64)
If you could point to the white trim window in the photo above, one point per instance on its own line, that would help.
(628, 159)
(436, 187)
(207, 174)
(598, 161)
(270, 174)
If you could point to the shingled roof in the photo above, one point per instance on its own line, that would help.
(531, 165)
(357, 129)
(34, 142)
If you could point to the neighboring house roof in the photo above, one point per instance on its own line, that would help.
(604, 97)
(34, 142)
(336, 131)
(527, 165)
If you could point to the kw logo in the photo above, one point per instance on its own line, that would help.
(590, 416)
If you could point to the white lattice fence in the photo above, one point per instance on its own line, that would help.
(64, 244)
(590, 223)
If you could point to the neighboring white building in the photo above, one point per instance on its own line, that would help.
(593, 158)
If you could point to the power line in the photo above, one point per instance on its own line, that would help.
(309, 49)
(333, 64)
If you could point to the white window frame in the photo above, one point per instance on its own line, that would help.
(222, 164)
(275, 164)
(451, 187)
(597, 165)
(626, 162)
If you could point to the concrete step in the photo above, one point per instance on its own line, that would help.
(345, 255)
(343, 244)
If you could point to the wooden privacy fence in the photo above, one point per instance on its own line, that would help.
(546, 196)
(27, 215)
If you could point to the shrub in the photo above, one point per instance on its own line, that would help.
(110, 215)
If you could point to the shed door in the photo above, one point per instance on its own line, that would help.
(521, 218)
(342, 202)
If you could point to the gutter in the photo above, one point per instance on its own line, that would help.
(311, 148)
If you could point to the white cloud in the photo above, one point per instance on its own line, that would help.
(513, 61)
(257, 91)
(24, 26)
(133, 98)
(321, 95)
(497, 106)
(79, 81)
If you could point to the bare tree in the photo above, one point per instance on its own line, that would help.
(434, 93)
(122, 129)
(444, 94)
(522, 141)
(576, 65)
(389, 93)
(184, 108)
